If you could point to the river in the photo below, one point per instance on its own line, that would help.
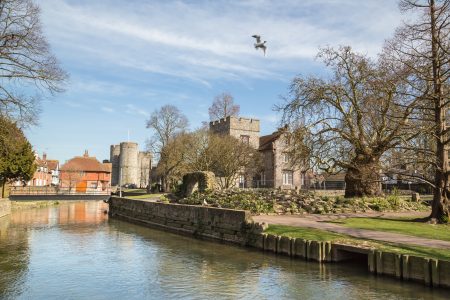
(73, 251)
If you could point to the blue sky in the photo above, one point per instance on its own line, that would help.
(128, 58)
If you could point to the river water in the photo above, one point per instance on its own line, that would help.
(72, 251)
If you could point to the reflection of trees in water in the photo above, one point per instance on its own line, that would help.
(85, 212)
(14, 258)
(182, 263)
(184, 267)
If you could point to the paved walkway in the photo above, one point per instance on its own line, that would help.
(319, 222)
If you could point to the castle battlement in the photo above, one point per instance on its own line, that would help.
(238, 127)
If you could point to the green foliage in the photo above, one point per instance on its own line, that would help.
(284, 202)
(246, 200)
(16, 154)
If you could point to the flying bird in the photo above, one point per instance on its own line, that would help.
(259, 44)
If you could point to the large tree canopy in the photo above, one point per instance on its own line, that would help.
(422, 46)
(351, 117)
(16, 155)
(28, 70)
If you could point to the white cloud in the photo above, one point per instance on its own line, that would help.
(107, 109)
(202, 41)
(135, 110)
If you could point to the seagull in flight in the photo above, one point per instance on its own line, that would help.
(259, 44)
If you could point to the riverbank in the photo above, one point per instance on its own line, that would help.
(234, 226)
(73, 251)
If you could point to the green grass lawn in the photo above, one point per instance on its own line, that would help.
(322, 235)
(144, 191)
(145, 196)
(400, 225)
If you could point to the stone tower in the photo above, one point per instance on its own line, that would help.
(129, 166)
(241, 128)
(129, 163)
(114, 159)
(145, 165)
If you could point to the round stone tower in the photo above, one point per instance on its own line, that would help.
(145, 165)
(129, 163)
(114, 155)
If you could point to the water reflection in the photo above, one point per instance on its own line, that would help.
(73, 251)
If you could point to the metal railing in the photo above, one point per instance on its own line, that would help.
(55, 190)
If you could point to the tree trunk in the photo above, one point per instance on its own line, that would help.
(363, 179)
(440, 205)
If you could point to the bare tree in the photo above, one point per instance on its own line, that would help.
(423, 46)
(350, 120)
(233, 158)
(28, 69)
(222, 107)
(173, 162)
(167, 122)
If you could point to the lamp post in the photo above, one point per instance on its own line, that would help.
(120, 182)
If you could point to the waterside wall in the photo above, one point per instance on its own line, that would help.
(237, 227)
(224, 225)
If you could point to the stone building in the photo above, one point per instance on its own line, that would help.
(245, 129)
(129, 165)
(277, 171)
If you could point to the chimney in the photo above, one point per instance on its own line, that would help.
(44, 156)
(86, 154)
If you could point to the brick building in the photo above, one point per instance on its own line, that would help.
(277, 171)
(46, 174)
(84, 174)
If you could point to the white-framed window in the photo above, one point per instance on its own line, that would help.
(241, 181)
(286, 157)
(263, 178)
(288, 177)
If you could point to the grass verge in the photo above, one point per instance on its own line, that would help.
(145, 196)
(399, 225)
(322, 235)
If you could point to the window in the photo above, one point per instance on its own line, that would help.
(241, 181)
(285, 157)
(287, 177)
(263, 178)
(245, 139)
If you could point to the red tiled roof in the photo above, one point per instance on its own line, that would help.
(86, 164)
(52, 164)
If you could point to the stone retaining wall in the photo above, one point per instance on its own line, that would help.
(236, 226)
(226, 225)
(431, 272)
(5, 207)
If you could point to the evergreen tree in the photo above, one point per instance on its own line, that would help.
(16, 154)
